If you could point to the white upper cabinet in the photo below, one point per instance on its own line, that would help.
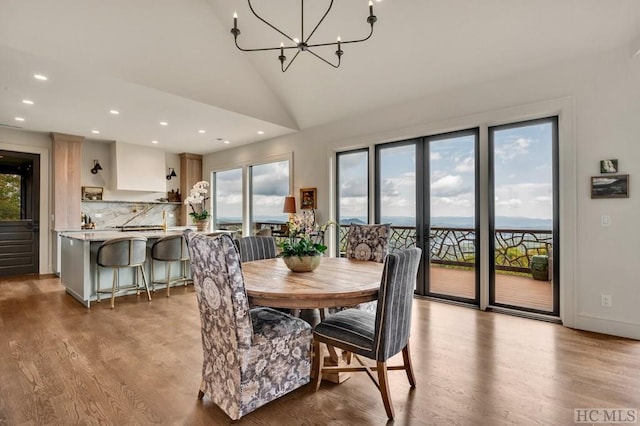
(138, 168)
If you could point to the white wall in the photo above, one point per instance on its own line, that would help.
(101, 151)
(597, 98)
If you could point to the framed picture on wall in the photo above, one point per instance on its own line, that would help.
(308, 198)
(608, 166)
(91, 193)
(613, 186)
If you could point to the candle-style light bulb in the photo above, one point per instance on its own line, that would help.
(370, 8)
(235, 20)
(339, 40)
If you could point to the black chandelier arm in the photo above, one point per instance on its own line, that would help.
(335, 43)
(324, 60)
(282, 67)
(261, 49)
(318, 24)
(267, 23)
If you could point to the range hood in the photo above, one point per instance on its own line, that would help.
(138, 168)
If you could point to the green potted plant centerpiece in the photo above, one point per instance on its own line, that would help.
(299, 252)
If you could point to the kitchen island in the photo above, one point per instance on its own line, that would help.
(79, 269)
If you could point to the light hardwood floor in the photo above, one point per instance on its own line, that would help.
(140, 364)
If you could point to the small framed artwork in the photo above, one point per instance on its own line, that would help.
(308, 198)
(91, 193)
(608, 166)
(614, 186)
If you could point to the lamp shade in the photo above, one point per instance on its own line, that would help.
(289, 204)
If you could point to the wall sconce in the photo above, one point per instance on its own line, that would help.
(172, 174)
(96, 167)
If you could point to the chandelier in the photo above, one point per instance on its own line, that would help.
(302, 44)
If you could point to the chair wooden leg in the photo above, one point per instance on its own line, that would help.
(318, 361)
(408, 368)
(384, 388)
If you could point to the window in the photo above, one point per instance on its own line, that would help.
(11, 202)
(269, 186)
(228, 199)
(352, 192)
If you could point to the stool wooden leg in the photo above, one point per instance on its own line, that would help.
(144, 280)
(116, 281)
(153, 276)
(168, 278)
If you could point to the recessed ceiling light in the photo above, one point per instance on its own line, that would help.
(227, 142)
(114, 112)
(95, 132)
(202, 131)
(164, 123)
(154, 142)
(27, 101)
(40, 77)
(260, 132)
(19, 119)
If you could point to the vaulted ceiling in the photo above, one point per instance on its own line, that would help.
(174, 61)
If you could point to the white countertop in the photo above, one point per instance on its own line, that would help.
(107, 235)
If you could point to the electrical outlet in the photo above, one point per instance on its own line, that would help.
(605, 220)
(98, 215)
(606, 300)
(170, 214)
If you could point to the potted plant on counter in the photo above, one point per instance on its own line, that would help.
(197, 201)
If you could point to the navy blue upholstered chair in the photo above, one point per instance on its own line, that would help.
(256, 248)
(376, 336)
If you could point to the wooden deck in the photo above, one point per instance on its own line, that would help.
(510, 289)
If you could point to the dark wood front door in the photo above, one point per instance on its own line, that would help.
(19, 213)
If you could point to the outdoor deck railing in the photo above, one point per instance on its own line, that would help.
(450, 246)
(456, 246)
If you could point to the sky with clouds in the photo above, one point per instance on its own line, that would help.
(269, 183)
(523, 176)
(523, 179)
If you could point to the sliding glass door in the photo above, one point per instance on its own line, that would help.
(451, 214)
(524, 216)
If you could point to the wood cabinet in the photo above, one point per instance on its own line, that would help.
(66, 152)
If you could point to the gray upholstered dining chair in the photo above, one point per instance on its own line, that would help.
(376, 336)
(118, 253)
(256, 248)
(251, 356)
(170, 249)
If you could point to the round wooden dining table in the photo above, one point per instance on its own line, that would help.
(336, 282)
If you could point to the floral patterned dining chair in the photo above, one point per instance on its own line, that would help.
(251, 356)
(370, 243)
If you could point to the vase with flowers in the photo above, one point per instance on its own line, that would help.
(302, 251)
(197, 200)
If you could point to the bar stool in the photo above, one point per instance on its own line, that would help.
(118, 253)
(170, 249)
